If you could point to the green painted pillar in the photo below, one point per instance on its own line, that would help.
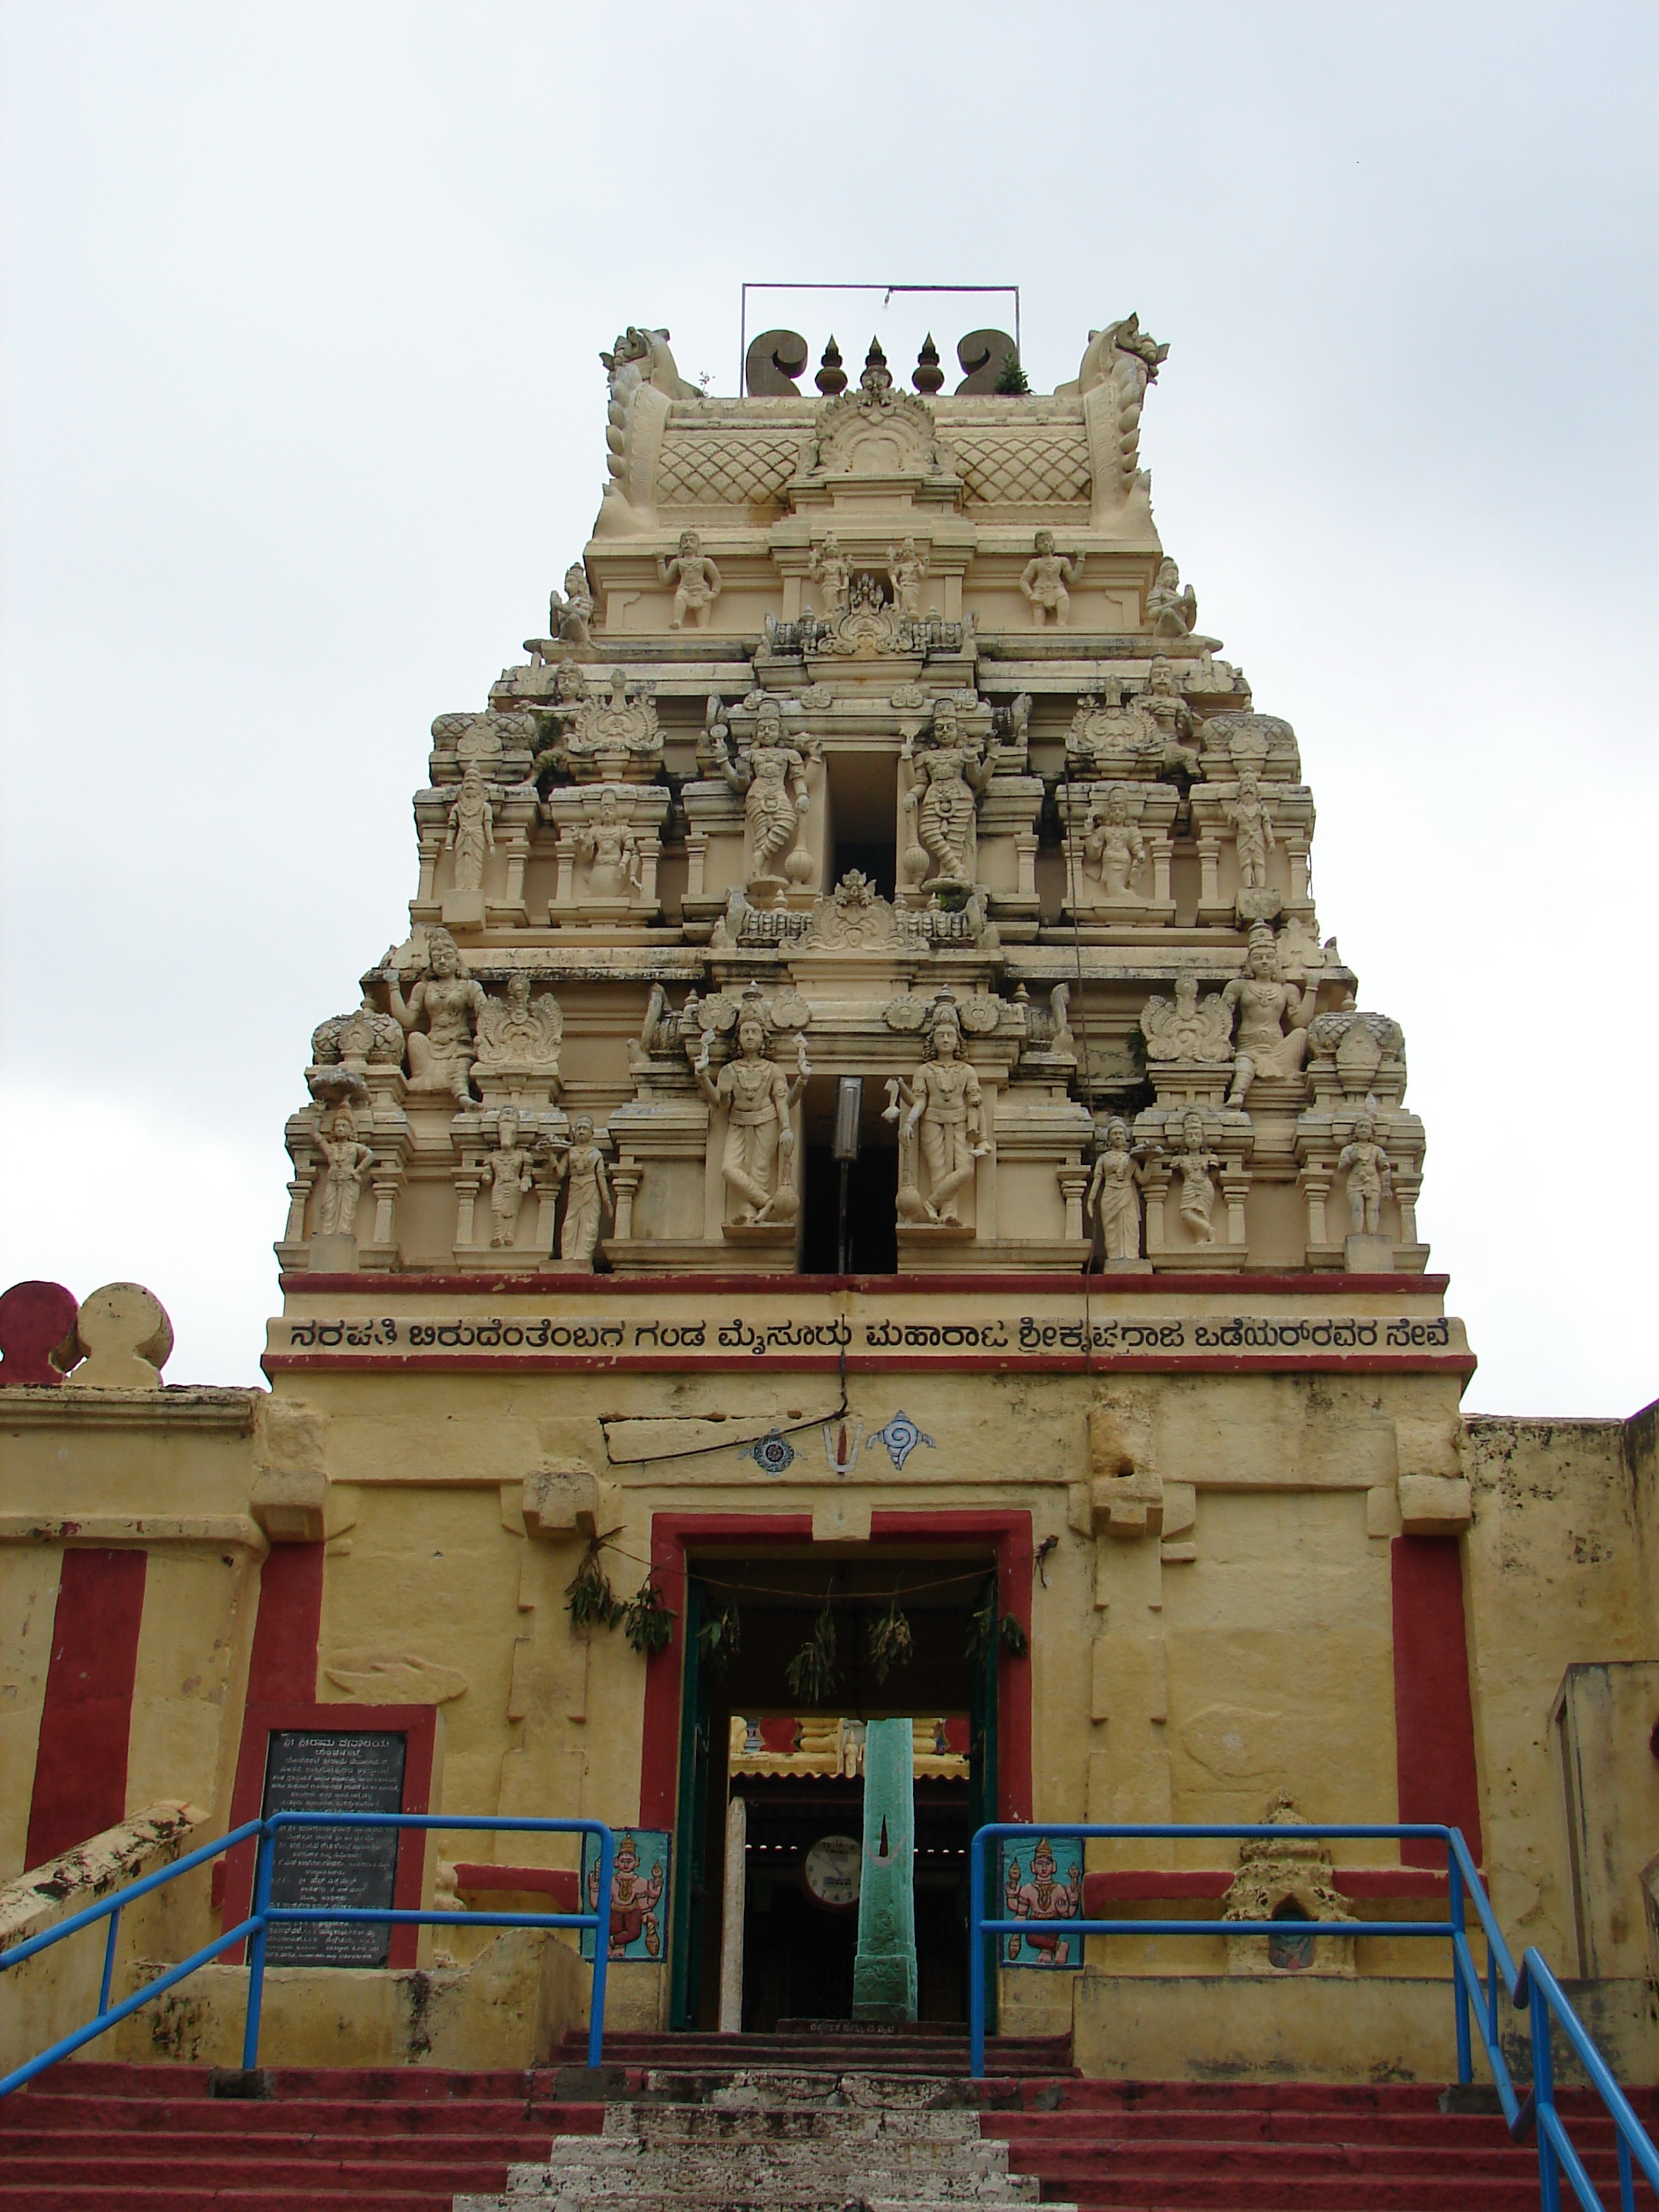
(885, 1970)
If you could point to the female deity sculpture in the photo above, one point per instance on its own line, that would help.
(471, 831)
(1112, 845)
(1114, 1194)
(772, 775)
(696, 580)
(579, 1164)
(1170, 611)
(1264, 1002)
(1370, 1179)
(906, 568)
(946, 780)
(347, 1162)
(569, 615)
(945, 1110)
(1193, 1164)
(449, 1001)
(510, 1165)
(1045, 578)
(611, 851)
(1253, 833)
(759, 1098)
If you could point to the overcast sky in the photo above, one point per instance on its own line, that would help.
(304, 414)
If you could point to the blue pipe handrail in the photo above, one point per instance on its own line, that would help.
(264, 1914)
(1531, 1986)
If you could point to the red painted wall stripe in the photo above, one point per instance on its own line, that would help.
(80, 1766)
(282, 1667)
(1434, 1720)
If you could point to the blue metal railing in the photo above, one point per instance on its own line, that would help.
(1531, 1987)
(264, 1916)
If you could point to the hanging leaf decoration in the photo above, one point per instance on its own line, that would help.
(813, 1675)
(891, 1641)
(720, 1636)
(647, 1621)
(589, 1598)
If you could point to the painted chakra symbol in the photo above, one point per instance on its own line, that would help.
(901, 1435)
(773, 1453)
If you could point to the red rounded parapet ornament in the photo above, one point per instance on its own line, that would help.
(36, 1320)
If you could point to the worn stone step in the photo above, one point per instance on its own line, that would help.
(696, 2123)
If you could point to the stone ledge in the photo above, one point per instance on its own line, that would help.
(36, 1406)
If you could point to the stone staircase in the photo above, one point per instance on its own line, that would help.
(904, 2141)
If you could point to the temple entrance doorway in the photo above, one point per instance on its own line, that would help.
(772, 1784)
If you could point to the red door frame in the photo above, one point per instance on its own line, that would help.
(1007, 1530)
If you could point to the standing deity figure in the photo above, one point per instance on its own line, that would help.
(1112, 843)
(947, 777)
(578, 1164)
(906, 568)
(1253, 833)
(510, 1164)
(347, 1161)
(471, 831)
(829, 571)
(759, 1098)
(1370, 1179)
(772, 775)
(1193, 1164)
(696, 580)
(449, 1001)
(568, 615)
(1164, 703)
(1114, 1194)
(570, 697)
(1170, 611)
(611, 851)
(945, 1112)
(1044, 580)
(1264, 1002)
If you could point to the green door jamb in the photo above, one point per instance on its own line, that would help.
(691, 1820)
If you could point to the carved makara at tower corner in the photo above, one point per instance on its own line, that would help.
(874, 736)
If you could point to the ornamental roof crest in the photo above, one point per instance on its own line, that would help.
(615, 738)
(875, 431)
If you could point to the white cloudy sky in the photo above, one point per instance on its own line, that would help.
(304, 414)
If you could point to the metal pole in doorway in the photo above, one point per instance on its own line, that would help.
(849, 1108)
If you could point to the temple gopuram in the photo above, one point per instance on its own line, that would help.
(856, 1253)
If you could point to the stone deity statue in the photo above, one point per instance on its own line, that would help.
(947, 777)
(1171, 715)
(1113, 1192)
(449, 1002)
(771, 773)
(760, 1139)
(697, 582)
(1370, 1178)
(906, 569)
(347, 1161)
(1253, 833)
(1112, 845)
(1045, 578)
(611, 851)
(945, 1110)
(1194, 1164)
(570, 697)
(569, 616)
(829, 571)
(471, 831)
(1265, 1003)
(1170, 611)
(579, 1164)
(510, 1164)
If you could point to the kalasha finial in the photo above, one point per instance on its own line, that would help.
(831, 377)
(927, 376)
(876, 376)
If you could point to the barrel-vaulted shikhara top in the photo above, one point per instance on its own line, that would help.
(630, 1448)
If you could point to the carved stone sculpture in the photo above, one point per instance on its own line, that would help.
(1119, 364)
(1171, 716)
(1272, 1017)
(578, 1163)
(1290, 1879)
(449, 1002)
(771, 774)
(941, 1108)
(1044, 580)
(363, 1038)
(347, 1160)
(1366, 1053)
(570, 614)
(471, 831)
(615, 738)
(1170, 611)
(1370, 1179)
(759, 1098)
(875, 431)
(570, 697)
(830, 570)
(520, 1035)
(906, 571)
(610, 850)
(509, 1164)
(1187, 1028)
(1193, 1165)
(939, 795)
(1253, 833)
(1113, 1194)
(1112, 736)
(697, 582)
(1113, 846)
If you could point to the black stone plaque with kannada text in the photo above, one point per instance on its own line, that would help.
(333, 1770)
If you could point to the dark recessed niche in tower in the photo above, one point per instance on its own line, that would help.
(863, 793)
